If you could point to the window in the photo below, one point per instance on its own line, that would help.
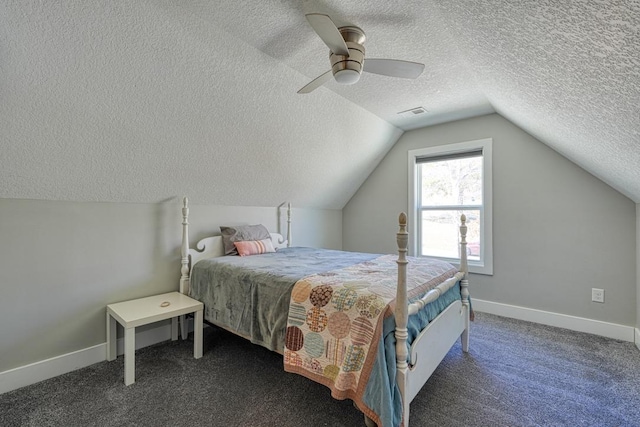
(445, 182)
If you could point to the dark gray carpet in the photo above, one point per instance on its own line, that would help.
(517, 374)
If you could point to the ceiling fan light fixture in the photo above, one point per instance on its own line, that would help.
(346, 54)
(346, 76)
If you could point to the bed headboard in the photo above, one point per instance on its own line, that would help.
(211, 247)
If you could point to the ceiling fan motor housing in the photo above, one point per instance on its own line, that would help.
(347, 69)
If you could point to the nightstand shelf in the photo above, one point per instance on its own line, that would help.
(143, 311)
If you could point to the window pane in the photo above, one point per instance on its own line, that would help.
(451, 182)
(440, 235)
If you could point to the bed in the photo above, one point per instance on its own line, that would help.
(372, 328)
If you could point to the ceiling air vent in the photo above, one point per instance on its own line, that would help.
(413, 112)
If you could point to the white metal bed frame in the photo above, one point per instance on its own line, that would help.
(414, 365)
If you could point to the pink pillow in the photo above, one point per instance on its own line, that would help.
(254, 247)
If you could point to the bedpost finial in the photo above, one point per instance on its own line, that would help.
(403, 218)
(463, 218)
(185, 211)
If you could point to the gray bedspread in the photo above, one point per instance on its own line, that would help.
(250, 295)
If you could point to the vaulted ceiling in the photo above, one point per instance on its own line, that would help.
(142, 101)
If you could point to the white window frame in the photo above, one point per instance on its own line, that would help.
(485, 264)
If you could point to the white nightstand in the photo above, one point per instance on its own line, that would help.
(142, 311)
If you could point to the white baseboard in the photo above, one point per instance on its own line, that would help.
(49, 368)
(580, 324)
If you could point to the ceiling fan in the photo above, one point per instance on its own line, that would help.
(347, 55)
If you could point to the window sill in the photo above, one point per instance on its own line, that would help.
(477, 268)
(474, 267)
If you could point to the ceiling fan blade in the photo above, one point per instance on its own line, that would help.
(317, 82)
(328, 32)
(393, 68)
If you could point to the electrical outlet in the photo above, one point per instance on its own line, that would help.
(597, 295)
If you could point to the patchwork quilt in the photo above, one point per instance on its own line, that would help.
(335, 322)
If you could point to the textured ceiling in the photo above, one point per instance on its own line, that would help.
(141, 101)
(567, 72)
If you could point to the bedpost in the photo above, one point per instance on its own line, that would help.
(184, 249)
(184, 270)
(289, 225)
(402, 315)
(464, 283)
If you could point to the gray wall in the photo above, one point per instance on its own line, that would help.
(638, 267)
(558, 231)
(62, 262)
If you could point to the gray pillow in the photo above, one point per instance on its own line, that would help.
(241, 233)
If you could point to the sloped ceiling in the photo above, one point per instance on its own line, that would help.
(142, 101)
